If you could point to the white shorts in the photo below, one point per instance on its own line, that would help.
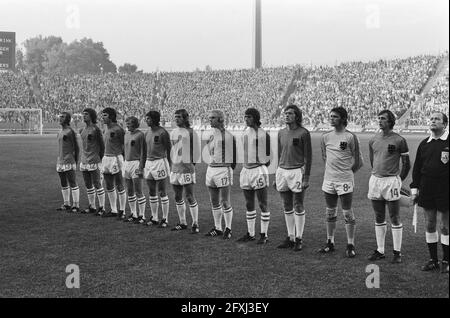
(338, 188)
(177, 178)
(289, 179)
(386, 188)
(63, 167)
(219, 177)
(156, 169)
(112, 165)
(254, 178)
(129, 169)
(89, 166)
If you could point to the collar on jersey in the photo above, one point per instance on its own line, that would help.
(443, 137)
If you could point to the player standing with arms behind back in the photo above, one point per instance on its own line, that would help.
(292, 176)
(157, 167)
(185, 148)
(91, 157)
(340, 152)
(386, 149)
(219, 174)
(135, 154)
(429, 188)
(66, 164)
(254, 178)
(112, 162)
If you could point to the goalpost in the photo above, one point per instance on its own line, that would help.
(21, 121)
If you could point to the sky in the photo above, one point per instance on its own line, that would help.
(183, 35)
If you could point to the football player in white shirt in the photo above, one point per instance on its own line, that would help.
(254, 178)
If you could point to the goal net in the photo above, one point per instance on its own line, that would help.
(20, 121)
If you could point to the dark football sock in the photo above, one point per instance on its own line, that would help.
(432, 248)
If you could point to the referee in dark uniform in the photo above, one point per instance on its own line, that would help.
(430, 186)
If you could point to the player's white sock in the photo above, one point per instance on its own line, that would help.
(432, 237)
(350, 229)
(265, 219)
(154, 206)
(299, 218)
(91, 197)
(251, 220)
(101, 197)
(181, 209)
(194, 212)
(397, 233)
(217, 215)
(331, 223)
(123, 200)
(165, 207)
(290, 223)
(380, 233)
(112, 196)
(76, 196)
(350, 226)
(228, 216)
(132, 203)
(142, 202)
(66, 195)
(444, 239)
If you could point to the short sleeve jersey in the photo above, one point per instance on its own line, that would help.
(113, 138)
(387, 151)
(339, 150)
(66, 146)
(256, 147)
(158, 142)
(221, 146)
(185, 148)
(92, 139)
(292, 143)
(134, 145)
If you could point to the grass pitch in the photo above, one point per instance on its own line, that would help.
(128, 260)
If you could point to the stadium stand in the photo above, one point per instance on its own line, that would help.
(435, 100)
(364, 88)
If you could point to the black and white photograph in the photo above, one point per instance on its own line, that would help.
(224, 156)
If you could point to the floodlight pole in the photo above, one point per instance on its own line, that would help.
(257, 45)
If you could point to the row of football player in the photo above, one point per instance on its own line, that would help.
(147, 155)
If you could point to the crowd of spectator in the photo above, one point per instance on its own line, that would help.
(15, 91)
(232, 91)
(435, 100)
(363, 88)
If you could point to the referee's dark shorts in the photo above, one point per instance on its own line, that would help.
(433, 193)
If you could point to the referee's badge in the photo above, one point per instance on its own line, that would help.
(343, 145)
(444, 157)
